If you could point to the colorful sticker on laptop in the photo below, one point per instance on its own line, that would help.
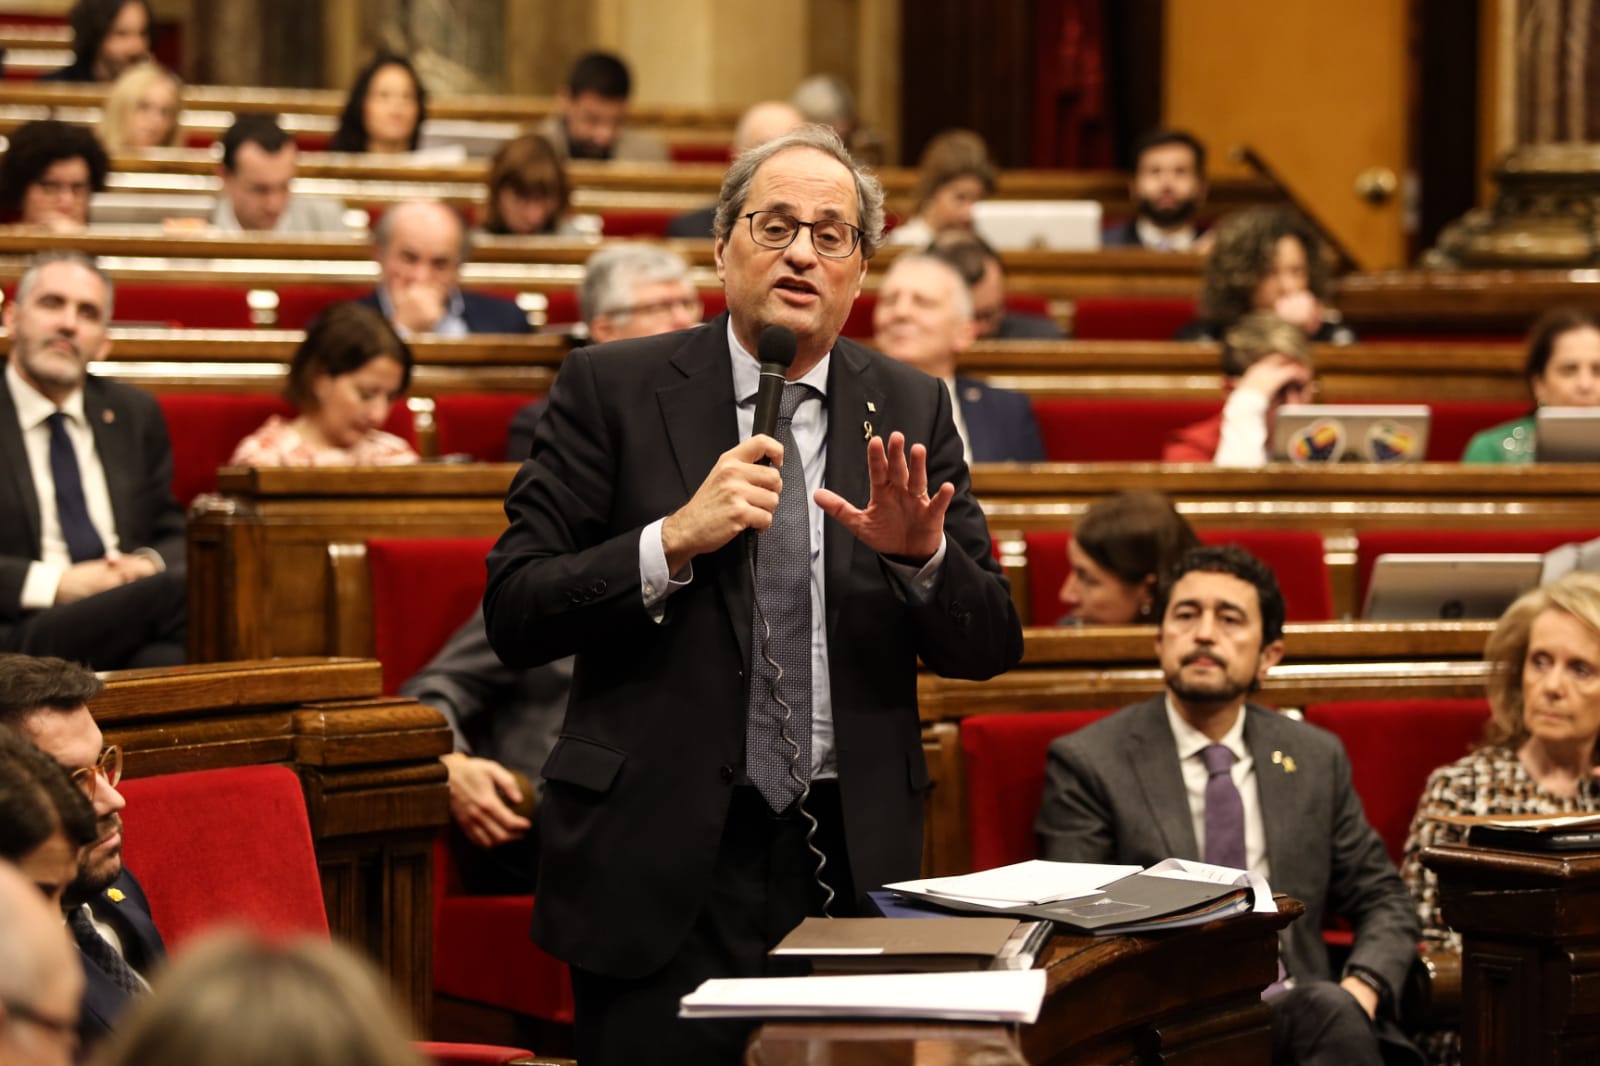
(1391, 442)
(1320, 442)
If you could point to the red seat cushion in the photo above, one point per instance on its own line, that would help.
(186, 304)
(1005, 760)
(299, 304)
(476, 423)
(217, 847)
(1456, 422)
(423, 589)
(205, 427)
(700, 152)
(636, 223)
(1113, 431)
(1393, 745)
(1385, 541)
(1296, 557)
(1130, 318)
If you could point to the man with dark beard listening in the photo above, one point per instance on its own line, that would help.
(47, 701)
(1167, 190)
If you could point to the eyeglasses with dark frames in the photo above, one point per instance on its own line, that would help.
(831, 237)
(109, 766)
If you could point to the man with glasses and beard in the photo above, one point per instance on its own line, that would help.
(1198, 773)
(47, 701)
(1168, 188)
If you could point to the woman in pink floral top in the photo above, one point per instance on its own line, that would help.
(345, 376)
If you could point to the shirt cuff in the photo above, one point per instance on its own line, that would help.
(40, 586)
(919, 583)
(1243, 442)
(154, 557)
(655, 583)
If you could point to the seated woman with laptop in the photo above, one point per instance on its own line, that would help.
(1266, 363)
(1563, 370)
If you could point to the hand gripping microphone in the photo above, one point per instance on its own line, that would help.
(776, 351)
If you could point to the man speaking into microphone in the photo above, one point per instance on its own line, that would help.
(742, 747)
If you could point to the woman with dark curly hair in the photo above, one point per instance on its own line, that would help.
(386, 108)
(1266, 259)
(108, 37)
(48, 174)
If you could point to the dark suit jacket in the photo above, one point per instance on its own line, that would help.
(1020, 326)
(693, 224)
(103, 1001)
(484, 314)
(519, 437)
(638, 786)
(1114, 793)
(131, 438)
(1000, 424)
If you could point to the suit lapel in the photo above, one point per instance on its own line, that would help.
(855, 401)
(111, 428)
(1152, 756)
(21, 473)
(697, 412)
(1275, 793)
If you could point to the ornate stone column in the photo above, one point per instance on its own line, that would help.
(1547, 209)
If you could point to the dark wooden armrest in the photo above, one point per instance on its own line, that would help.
(1432, 997)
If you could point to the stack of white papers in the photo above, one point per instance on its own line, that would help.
(1191, 870)
(985, 996)
(1023, 884)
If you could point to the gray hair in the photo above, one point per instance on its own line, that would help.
(960, 291)
(385, 227)
(611, 273)
(40, 260)
(741, 175)
(824, 98)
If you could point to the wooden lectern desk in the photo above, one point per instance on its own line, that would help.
(1530, 960)
(1190, 996)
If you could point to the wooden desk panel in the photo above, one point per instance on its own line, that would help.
(375, 790)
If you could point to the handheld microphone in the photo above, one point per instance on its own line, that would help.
(776, 352)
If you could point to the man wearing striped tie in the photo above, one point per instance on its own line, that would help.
(91, 540)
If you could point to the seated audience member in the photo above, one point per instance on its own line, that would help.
(386, 109)
(48, 174)
(92, 547)
(1563, 370)
(824, 99)
(593, 120)
(141, 109)
(1266, 259)
(529, 191)
(980, 266)
(257, 170)
(240, 998)
(420, 247)
(41, 981)
(1539, 746)
(506, 720)
(1168, 187)
(1118, 553)
(344, 377)
(1191, 774)
(760, 123)
(953, 174)
(924, 318)
(45, 818)
(1266, 363)
(46, 700)
(108, 36)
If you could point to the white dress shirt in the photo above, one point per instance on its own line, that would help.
(1191, 742)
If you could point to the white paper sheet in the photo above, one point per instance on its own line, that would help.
(983, 996)
(1022, 884)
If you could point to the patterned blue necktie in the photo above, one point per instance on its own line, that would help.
(71, 507)
(783, 601)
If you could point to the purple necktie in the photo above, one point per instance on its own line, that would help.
(1224, 810)
(777, 753)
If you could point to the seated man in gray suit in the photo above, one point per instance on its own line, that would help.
(1200, 774)
(505, 719)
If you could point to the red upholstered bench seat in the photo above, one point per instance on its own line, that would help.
(1295, 555)
(476, 423)
(1130, 318)
(423, 589)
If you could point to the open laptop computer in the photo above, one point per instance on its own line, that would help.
(1566, 435)
(1060, 225)
(1359, 433)
(1424, 586)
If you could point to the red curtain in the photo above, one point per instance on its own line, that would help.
(1072, 112)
